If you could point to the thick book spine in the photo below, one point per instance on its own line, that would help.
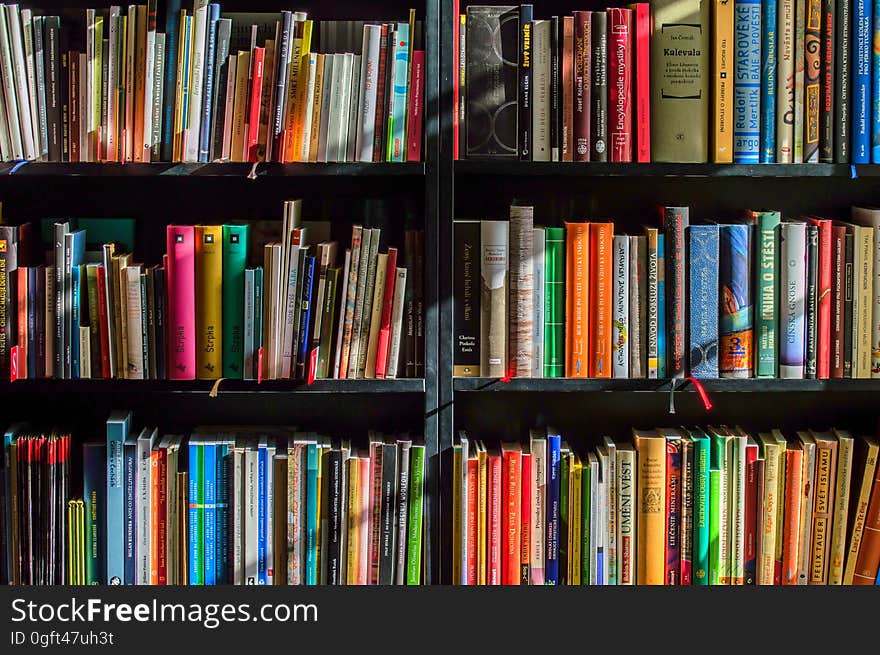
(597, 83)
(701, 509)
(785, 82)
(209, 300)
(582, 77)
(541, 80)
(117, 432)
(181, 294)
(416, 113)
(209, 83)
(675, 222)
(620, 318)
(862, 71)
(526, 92)
(172, 30)
(812, 68)
(736, 311)
(703, 301)
(651, 485)
(522, 296)
(554, 303)
(601, 299)
(235, 243)
(551, 571)
(766, 293)
(620, 24)
(641, 34)
(577, 300)
(868, 560)
(494, 285)
(637, 306)
(799, 77)
(842, 83)
(673, 512)
(416, 502)
(768, 81)
(724, 79)
(792, 290)
(828, 100)
(539, 248)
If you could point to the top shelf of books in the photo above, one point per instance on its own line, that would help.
(232, 169)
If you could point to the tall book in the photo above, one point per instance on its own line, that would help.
(620, 312)
(680, 81)
(494, 286)
(703, 304)
(766, 293)
(675, 222)
(724, 80)
(118, 427)
(792, 286)
(812, 70)
(526, 91)
(554, 303)
(522, 292)
(785, 34)
(736, 310)
(620, 99)
(596, 72)
(768, 81)
(869, 217)
(209, 301)
(467, 309)
(235, 244)
(577, 300)
(651, 485)
(827, 82)
(641, 39)
(867, 463)
(181, 307)
(584, 72)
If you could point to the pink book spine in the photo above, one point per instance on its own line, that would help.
(643, 82)
(620, 83)
(417, 100)
(385, 327)
(181, 296)
(364, 561)
(494, 511)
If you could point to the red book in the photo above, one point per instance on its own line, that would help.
(181, 302)
(473, 474)
(416, 107)
(791, 512)
(384, 345)
(103, 324)
(620, 84)
(256, 95)
(581, 81)
(642, 80)
(525, 540)
(456, 19)
(494, 511)
(754, 473)
(22, 292)
(838, 294)
(511, 485)
(823, 294)
(673, 511)
(381, 100)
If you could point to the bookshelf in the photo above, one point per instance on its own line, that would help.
(158, 194)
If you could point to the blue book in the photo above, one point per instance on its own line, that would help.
(75, 321)
(209, 453)
(703, 299)
(74, 255)
(196, 512)
(129, 459)
(551, 568)
(312, 514)
(397, 117)
(768, 82)
(306, 327)
(262, 523)
(861, 84)
(736, 312)
(94, 498)
(661, 306)
(118, 427)
(205, 130)
(747, 81)
(172, 25)
(221, 503)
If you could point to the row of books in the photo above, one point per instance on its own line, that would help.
(225, 505)
(756, 297)
(668, 506)
(241, 87)
(309, 311)
(745, 81)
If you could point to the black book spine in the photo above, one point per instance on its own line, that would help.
(812, 298)
(218, 102)
(849, 288)
(388, 527)
(599, 87)
(842, 117)
(420, 303)
(409, 299)
(145, 328)
(52, 65)
(334, 522)
(150, 288)
(159, 298)
(555, 89)
(826, 107)
(675, 222)
(466, 292)
(64, 87)
(32, 322)
(524, 122)
(8, 266)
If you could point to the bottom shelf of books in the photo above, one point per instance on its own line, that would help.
(244, 505)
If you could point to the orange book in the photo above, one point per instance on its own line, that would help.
(869, 551)
(651, 485)
(601, 275)
(791, 526)
(473, 473)
(511, 521)
(140, 90)
(577, 299)
(22, 292)
(154, 517)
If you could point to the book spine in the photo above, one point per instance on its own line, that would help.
(493, 516)
(235, 242)
(554, 303)
(673, 513)
(541, 90)
(172, 31)
(526, 93)
(415, 117)
(785, 81)
(701, 512)
(675, 222)
(848, 301)
(799, 77)
(838, 278)
(584, 75)
(837, 550)
(601, 299)
(511, 518)
(209, 464)
(725, 80)
(703, 306)
(555, 84)
(566, 83)
(862, 102)
(651, 483)
(577, 300)
(766, 317)
(388, 527)
(654, 257)
(824, 298)
(209, 300)
(620, 319)
(467, 335)
(210, 82)
(56, 126)
(753, 472)
(736, 338)
(129, 481)
(642, 81)
(181, 294)
(115, 501)
(620, 97)
(768, 81)
(539, 248)
(826, 108)
(823, 508)
(522, 280)
(867, 561)
(551, 570)
(493, 314)
(525, 519)
(843, 58)
(792, 286)
(416, 502)
(812, 67)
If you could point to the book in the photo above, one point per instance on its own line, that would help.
(651, 482)
(736, 310)
(493, 310)
(703, 307)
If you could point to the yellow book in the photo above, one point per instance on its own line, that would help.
(120, 284)
(97, 91)
(376, 315)
(209, 301)
(869, 449)
(239, 107)
(651, 481)
(722, 91)
(625, 466)
(574, 526)
(823, 506)
(182, 74)
(780, 496)
(302, 93)
(456, 511)
(140, 80)
(354, 510)
(839, 523)
(315, 130)
(770, 504)
(864, 280)
(482, 512)
(299, 60)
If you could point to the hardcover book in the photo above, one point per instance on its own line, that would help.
(703, 243)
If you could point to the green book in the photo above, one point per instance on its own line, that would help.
(719, 539)
(554, 303)
(714, 526)
(94, 322)
(197, 512)
(586, 523)
(564, 465)
(328, 322)
(767, 286)
(701, 514)
(235, 244)
(414, 534)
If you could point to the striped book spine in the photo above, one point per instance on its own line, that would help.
(703, 299)
(554, 303)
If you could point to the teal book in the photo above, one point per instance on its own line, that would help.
(554, 302)
(661, 307)
(397, 113)
(766, 292)
(701, 508)
(235, 245)
(414, 515)
(118, 428)
(209, 473)
(258, 320)
(312, 514)
(196, 524)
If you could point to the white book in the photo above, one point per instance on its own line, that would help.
(738, 509)
(346, 269)
(143, 506)
(620, 309)
(291, 309)
(521, 307)
(158, 97)
(251, 516)
(84, 152)
(600, 521)
(344, 105)
(149, 76)
(110, 141)
(237, 509)
(353, 104)
(594, 517)
(130, 48)
(5, 144)
(334, 115)
(27, 28)
(538, 248)
(538, 482)
(369, 76)
(40, 71)
(785, 20)
(870, 217)
(231, 65)
(19, 71)
(308, 109)
(196, 81)
(135, 327)
(396, 323)
(792, 285)
(16, 150)
(326, 93)
(541, 90)
(88, 85)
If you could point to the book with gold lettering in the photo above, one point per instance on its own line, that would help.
(651, 485)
